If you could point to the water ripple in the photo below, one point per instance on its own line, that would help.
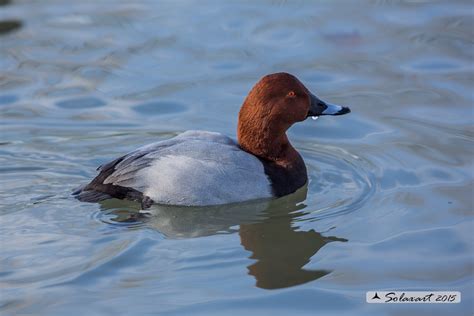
(341, 182)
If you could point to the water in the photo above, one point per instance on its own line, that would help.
(388, 206)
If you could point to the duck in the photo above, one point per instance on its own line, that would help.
(202, 168)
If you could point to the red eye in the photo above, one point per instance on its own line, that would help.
(291, 94)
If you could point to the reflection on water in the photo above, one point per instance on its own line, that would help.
(266, 229)
(281, 250)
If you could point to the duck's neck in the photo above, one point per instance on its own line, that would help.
(282, 163)
(268, 143)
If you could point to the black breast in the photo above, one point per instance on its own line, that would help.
(285, 180)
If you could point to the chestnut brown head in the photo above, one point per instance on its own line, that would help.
(275, 103)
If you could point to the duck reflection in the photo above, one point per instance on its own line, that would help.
(280, 250)
(267, 229)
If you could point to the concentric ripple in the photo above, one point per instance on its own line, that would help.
(120, 213)
(339, 181)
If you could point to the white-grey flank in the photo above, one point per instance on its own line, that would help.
(332, 109)
(193, 168)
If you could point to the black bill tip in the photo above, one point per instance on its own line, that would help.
(343, 110)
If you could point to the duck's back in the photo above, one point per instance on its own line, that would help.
(193, 168)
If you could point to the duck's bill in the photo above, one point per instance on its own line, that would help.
(319, 107)
(333, 109)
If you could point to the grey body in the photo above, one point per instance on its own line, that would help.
(194, 168)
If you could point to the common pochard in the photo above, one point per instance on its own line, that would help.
(199, 168)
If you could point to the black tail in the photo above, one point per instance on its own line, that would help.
(89, 196)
